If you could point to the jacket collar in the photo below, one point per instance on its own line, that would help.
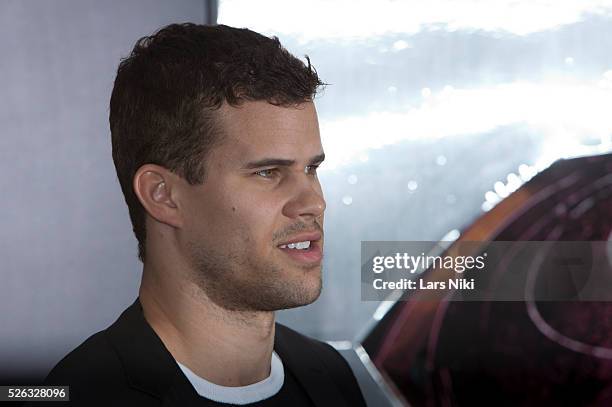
(150, 367)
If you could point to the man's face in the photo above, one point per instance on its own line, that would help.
(260, 194)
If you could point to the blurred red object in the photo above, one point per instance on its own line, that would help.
(443, 353)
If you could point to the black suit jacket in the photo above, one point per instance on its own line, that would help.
(128, 365)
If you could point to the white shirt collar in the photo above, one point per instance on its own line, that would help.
(244, 394)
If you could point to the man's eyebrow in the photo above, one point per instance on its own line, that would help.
(317, 159)
(281, 162)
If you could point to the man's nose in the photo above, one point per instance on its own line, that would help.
(307, 201)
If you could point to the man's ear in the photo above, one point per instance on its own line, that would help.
(156, 188)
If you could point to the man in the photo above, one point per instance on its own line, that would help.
(216, 146)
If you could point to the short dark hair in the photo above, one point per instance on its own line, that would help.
(165, 94)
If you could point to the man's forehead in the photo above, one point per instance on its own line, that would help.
(261, 130)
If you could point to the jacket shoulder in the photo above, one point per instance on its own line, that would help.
(93, 359)
(95, 376)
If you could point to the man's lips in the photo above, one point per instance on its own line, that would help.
(312, 256)
(312, 237)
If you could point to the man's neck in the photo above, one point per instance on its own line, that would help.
(228, 348)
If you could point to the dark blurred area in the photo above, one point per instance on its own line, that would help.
(529, 353)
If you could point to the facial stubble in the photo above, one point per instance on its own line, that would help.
(237, 280)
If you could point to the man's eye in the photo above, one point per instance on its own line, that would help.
(311, 169)
(268, 173)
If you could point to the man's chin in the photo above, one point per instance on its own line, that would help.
(302, 293)
(297, 304)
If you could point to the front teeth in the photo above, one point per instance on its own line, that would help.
(297, 245)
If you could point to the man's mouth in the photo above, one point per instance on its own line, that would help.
(298, 245)
(305, 248)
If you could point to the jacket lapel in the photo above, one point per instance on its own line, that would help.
(308, 368)
(148, 365)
